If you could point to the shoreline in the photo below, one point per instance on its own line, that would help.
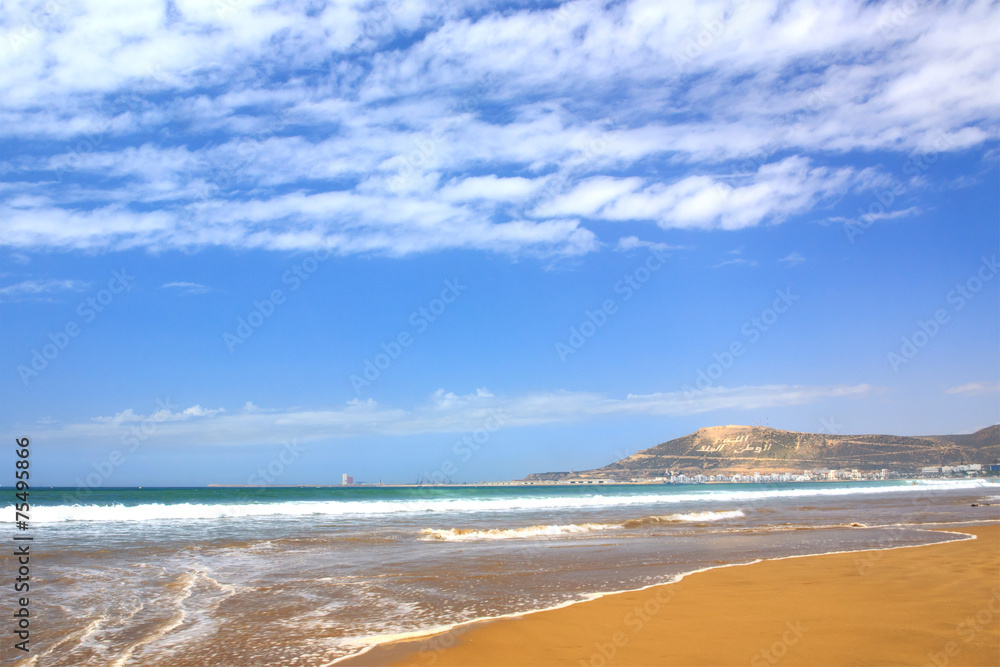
(585, 484)
(476, 641)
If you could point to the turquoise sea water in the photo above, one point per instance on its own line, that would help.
(138, 504)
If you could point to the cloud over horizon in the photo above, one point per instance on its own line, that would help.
(444, 413)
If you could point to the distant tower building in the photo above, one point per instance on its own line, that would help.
(347, 480)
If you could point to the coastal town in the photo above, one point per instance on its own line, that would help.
(816, 475)
(972, 470)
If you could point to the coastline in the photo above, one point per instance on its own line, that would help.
(594, 483)
(915, 604)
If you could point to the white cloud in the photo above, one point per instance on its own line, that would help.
(198, 411)
(446, 412)
(490, 187)
(190, 288)
(627, 243)
(793, 258)
(343, 222)
(164, 414)
(878, 216)
(776, 191)
(974, 389)
(588, 197)
(739, 261)
(39, 289)
(463, 118)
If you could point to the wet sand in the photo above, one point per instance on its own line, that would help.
(928, 605)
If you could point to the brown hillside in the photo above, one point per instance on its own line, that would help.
(730, 449)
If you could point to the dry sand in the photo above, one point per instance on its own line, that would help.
(931, 605)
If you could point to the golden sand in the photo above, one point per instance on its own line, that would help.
(931, 605)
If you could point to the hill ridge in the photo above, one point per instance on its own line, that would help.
(736, 448)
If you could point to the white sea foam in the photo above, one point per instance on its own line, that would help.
(706, 516)
(469, 534)
(534, 502)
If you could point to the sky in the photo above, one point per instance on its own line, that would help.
(276, 242)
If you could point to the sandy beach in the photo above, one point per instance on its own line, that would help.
(927, 605)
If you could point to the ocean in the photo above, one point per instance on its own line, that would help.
(310, 576)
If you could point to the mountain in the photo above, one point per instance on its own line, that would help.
(732, 449)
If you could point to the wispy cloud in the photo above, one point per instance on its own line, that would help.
(879, 216)
(627, 243)
(190, 288)
(160, 416)
(195, 125)
(776, 191)
(39, 289)
(739, 261)
(445, 412)
(974, 389)
(793, 258)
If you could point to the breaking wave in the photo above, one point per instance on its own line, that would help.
(535, 499)
(469, 534)
(685, 517)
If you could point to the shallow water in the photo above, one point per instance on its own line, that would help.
(307, 576)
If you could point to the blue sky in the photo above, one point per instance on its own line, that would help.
(322, 238)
